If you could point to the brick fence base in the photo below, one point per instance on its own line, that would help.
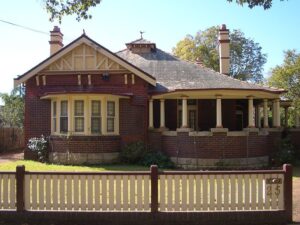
(145, 218)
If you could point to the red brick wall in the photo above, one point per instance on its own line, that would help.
(133, 111)
(90, 144)
(295, 139)
(217, 146)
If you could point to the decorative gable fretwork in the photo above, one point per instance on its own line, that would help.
(83, 58)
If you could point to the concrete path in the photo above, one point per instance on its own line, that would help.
(9, 157)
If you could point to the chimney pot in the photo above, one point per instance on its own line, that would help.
(56, 40)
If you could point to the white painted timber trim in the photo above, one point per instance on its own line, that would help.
(84, 40)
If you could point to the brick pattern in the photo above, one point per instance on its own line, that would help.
(295, 139)
(86, 144)
(217, 146)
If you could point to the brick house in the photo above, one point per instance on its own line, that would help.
(91, 102)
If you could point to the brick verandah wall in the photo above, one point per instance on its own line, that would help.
(216, 146)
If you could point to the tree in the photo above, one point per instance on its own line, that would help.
(12, 113)
(287, 76)
(266, 4)
(246, 57)
(59, 8)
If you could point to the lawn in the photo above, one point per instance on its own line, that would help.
(36, 166)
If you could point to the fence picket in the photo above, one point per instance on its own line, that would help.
(191, 184)
(274, 195)
(69, 192)
(104, 192)
(226, 192)
(211, 192)
(219, 192)
(119, 190)
(55, 192)
(48, 192)
(233, 193)
(111, 190)
(240, 200)
(62, 192)
(184, 193)
(177, 191)
(146, 192)
(12, 179)
(41, 204)
(27, 192)
(162, 186)
(205, 193)
(5, 191)
(125, 192)
(83, 192)
(1, 188)
(76, 193)
(253, 191)
(90, 195)
(198, 192)
(34, 192)
(268, 192)
(132, 193)
(260, 192)
(97, 193)
(170, 193)
(139, 193)
(247, 192)
(280, 194)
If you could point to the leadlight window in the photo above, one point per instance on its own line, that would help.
(110, 116)
(79, 115)
(64, 116)
(96, 117)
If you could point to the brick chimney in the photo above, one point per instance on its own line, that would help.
(224, 52)
(56, 40)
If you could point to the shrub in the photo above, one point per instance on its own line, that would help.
(285, 153)
(157, 158)
(40, 146)
(133, 152)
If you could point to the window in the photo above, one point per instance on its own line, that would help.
(54, 116)
(89, 114)
(64, 116)
(110, 116)
(79, 115)
(96, 117)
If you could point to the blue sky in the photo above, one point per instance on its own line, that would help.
(116, 22)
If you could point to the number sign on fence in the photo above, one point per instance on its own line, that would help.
(168, 191)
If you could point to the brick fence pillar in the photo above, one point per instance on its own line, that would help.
(288, 191)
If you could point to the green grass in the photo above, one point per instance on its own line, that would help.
(296, 172)
(36, 166)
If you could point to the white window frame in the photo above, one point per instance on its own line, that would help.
(87, 99)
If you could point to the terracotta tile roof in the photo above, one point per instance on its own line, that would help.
(173, 73)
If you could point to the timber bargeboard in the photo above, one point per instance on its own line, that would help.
(84, 54)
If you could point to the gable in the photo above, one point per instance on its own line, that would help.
(84, 58)
(84, 54)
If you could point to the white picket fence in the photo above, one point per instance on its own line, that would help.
(8, 191)
(87, 192)
(218, 192)
(169, 191)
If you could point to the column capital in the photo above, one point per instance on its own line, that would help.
(266, 100)
(162, 99)
(218, 96)
(151, 99)
(250, 97)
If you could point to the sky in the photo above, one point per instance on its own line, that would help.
(165, 22)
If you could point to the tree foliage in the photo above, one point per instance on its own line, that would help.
(60, 8)
(287, 76)
(246, 57)
(12, 113)
(266, 4)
